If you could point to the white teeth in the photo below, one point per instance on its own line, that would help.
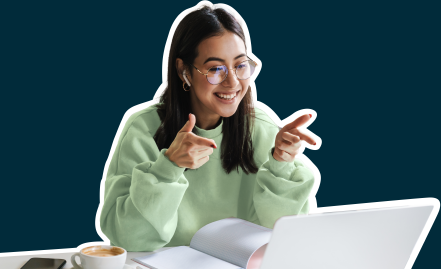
(230, 96)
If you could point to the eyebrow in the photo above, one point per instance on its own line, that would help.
(222, 60)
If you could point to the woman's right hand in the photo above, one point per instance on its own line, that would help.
(189, 150)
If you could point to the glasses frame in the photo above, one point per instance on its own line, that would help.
(235, 70)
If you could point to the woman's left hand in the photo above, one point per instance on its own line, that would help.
(288, 140)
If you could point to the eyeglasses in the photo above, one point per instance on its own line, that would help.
(217, 74)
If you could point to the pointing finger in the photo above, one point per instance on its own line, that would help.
(305, 136)
(203, 142)
(298, 122)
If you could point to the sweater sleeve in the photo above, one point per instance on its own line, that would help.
(143, 190)
(281, 189)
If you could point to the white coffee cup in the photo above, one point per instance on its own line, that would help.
(100, 257)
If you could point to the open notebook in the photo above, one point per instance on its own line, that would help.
(229, 243)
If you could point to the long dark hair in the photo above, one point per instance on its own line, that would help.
(174, 105)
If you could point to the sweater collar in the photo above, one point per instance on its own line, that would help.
(210, 133)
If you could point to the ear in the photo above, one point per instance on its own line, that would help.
(180, 67)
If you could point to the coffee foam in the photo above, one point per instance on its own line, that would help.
(99, 251)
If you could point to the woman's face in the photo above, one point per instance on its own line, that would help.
(228, 50)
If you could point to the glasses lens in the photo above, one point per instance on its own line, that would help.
(245, 69)
(217, 74)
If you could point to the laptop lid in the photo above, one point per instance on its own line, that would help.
(379, 237)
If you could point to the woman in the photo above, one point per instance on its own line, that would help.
(195, 158)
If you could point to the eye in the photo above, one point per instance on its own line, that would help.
(241, 66)
(216, 69)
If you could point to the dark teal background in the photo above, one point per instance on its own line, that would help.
(70, 71)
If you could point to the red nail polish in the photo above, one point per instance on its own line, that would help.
(310, 115)
(213, 146)
(315, 144)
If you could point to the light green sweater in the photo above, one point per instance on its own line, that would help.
(150, 202)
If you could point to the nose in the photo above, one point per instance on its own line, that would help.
(231, 81)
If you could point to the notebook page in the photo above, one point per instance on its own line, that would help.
(232, 239)
(256, 259)
(183, 257)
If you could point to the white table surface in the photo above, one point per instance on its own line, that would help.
(16, 262)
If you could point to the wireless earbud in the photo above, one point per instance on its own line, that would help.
(185, 77)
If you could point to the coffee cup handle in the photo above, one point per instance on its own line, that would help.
(74, 263)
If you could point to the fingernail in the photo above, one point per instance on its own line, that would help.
(214, 146)
(310, 115)
(315, 144)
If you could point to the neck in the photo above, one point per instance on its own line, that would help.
(205, 118)
(207, 122)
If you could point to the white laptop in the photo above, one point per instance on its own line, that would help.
(385, 235)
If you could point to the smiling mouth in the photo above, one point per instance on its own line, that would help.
(227, 97)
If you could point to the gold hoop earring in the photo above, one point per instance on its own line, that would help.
(183, 86)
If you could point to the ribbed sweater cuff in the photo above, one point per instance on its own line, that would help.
(279, 169)
(165, 169)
